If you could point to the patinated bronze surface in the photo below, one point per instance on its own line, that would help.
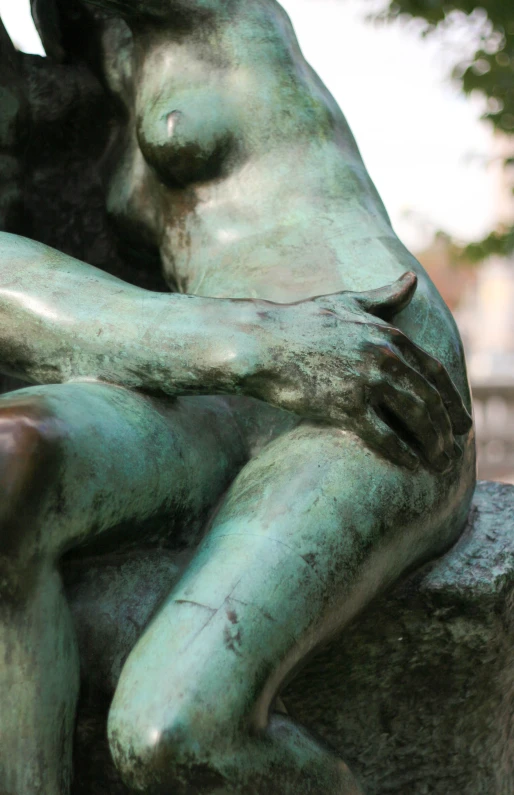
(314, 448)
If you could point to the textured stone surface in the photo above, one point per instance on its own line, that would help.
(417, 696)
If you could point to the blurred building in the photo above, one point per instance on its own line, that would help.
(482, 300)
(486, 318)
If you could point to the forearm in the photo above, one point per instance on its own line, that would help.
(61, 320)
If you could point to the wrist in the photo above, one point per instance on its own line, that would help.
(237, 351)
(220, 345)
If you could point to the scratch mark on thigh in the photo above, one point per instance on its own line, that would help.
(275, 541)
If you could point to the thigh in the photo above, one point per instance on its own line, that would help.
(311, 530)
(79, 459)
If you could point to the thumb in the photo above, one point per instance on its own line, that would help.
(388, 301)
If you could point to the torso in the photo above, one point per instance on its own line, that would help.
(241, 169)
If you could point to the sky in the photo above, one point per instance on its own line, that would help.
(422, 142)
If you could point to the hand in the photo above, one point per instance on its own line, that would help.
(334, 359)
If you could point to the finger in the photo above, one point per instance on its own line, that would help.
(435, 371)
(411, 419)
(442, 421)
(403, 376)
(433, 402)
(377, 433)
(388, 301)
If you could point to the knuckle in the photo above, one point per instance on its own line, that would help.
(418, 410)
(388, 358)
(375, 381)
(436, 366)
(396, 335)
(386, 352)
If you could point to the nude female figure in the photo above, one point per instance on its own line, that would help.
(236, 162)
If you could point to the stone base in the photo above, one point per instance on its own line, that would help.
(417, 696)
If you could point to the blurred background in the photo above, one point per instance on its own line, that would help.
(428, 89)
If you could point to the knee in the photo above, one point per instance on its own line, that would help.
(30, 454)
(183, 751)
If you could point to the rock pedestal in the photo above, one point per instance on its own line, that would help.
(417, 696)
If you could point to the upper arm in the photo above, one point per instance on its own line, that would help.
(161, 9)
(13, 130)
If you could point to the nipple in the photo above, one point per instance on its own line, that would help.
(171, 121)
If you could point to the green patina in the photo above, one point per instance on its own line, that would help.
(295, 455)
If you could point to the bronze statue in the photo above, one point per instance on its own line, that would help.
(299, 401)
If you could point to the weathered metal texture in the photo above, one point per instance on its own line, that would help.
(200, 131)
(417, 695)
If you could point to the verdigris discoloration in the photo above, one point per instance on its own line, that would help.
(219, 154)
(425, 680)
(418, 694)
(479, 571)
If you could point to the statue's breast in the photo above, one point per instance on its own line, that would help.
(189, 136)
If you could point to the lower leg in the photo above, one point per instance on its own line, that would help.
(73, 458)
(310, 531)
(196, 754)
(192, 711)
(39, 688)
